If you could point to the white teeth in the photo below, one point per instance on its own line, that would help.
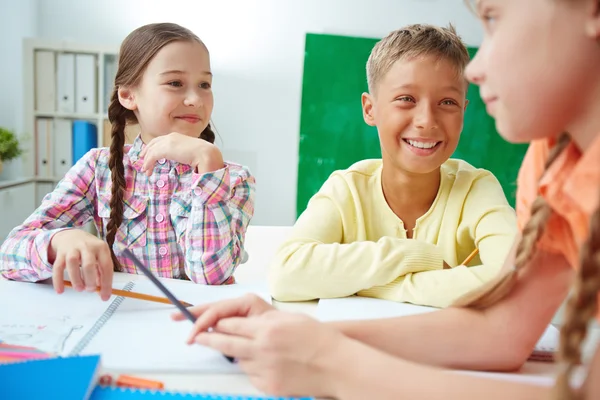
(422, 145)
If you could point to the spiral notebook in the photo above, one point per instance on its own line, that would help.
(355, 308)
(129, 334)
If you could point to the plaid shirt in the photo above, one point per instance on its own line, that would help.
(179, 223)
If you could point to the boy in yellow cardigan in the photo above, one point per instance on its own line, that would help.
(398, 227)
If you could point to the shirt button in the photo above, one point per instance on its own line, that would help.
(163, 251)
(160, 183)
(162, 161)
(159, 218)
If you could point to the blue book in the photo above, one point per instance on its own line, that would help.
(67, 378)
(107, 393)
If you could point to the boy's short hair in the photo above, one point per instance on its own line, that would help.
(414, 41)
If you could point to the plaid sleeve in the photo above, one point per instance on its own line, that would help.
(222, 206)
(24, 253)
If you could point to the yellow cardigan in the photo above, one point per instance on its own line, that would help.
(348, 240)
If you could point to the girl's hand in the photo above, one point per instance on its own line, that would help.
(201, 155)
(86, 258)
(283, 354)
(208, 315)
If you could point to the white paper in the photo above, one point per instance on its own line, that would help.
(357, 308)
(141, 336)
(33, 314)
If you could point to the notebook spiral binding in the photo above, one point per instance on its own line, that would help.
(100, 322)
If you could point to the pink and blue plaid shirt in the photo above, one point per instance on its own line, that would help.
(179, 223)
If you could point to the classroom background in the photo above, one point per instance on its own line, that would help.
(287, 81)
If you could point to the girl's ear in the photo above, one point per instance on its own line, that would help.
(127, 98)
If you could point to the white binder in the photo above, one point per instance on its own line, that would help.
(85, 82)
(43, 155)
(110, 72)
(65, 81)
(45, 81)
(63, 147)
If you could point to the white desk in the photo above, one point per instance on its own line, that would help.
(261, 243)
(534, 372)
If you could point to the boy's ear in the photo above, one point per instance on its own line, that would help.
(466, 104)
(127, 98)
(367, 107)
(593, 23)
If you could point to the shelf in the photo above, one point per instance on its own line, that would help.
(15, 182)
(47, 179)
(43, 114)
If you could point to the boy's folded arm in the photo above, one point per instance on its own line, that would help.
(490, 223)
(24, 253)
(439, 288)
(313, 264)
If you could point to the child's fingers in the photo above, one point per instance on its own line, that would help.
(196, 310)
(233, 346)
(58, 271)
(213, 313)
(88, 269)
(73, 263)
(105, 271)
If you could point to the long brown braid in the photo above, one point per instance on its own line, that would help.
(496, 289)
(117, 115)
(581, 308)
(137, 50)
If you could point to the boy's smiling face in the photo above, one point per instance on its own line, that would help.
(418, 108)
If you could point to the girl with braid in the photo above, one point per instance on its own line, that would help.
(538, 69)
(169, 197)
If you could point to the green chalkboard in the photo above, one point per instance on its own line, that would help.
(333, 134)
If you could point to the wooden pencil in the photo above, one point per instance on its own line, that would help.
(139, 296)
(470, 257)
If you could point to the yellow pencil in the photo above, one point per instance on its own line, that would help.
(139, 296)
(470, 257)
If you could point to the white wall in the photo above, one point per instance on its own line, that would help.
(257, 49)
(18, 20)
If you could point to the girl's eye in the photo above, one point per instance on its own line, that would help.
(205, 85)
(489, 20)
(175, 84)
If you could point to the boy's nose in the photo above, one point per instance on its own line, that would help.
(425, 118)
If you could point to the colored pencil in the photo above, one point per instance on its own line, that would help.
(139, 296)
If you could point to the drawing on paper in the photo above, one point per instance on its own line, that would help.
(49, 336)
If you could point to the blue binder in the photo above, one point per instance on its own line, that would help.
(84, 138)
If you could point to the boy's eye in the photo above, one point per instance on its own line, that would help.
(405, 98)
(449, 102)
(175, 84)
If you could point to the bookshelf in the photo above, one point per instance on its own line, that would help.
(67, 89)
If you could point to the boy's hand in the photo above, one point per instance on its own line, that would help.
(197, 153)
(86, 258)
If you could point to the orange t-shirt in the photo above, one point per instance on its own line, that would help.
(571, 186)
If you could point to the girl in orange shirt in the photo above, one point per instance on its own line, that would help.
(539, 72)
